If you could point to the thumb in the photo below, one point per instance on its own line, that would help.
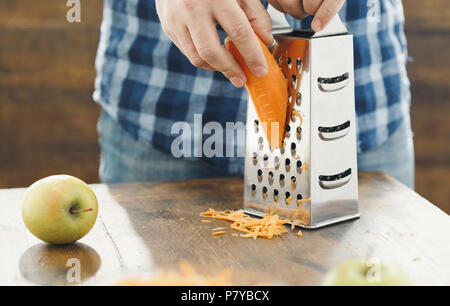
(259, 19)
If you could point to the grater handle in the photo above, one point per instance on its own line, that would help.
(281, 26)
(335, 27)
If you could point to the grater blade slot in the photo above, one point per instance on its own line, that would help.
(334, 83)
(336, 180)
(334, 132)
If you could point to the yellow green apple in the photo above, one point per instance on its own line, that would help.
(59, 209)
(366, 272)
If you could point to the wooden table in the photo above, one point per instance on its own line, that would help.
(139, 229)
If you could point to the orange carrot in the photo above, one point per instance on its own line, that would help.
(288, 54)
(269, 94)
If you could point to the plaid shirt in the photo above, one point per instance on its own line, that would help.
(146, 84)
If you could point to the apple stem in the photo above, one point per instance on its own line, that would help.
(76, 211)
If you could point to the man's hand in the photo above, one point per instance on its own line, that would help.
(191, 25)
(323, 10)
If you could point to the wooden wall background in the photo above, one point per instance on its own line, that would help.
(48, 118)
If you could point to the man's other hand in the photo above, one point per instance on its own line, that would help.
(322, 10)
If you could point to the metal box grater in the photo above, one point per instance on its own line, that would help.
(318, 159)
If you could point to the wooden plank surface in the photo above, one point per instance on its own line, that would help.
(139, 228)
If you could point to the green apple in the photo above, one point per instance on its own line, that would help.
(59, 209)
(366, 272)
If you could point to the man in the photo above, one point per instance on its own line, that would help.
(160, 62)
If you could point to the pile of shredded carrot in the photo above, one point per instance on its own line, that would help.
(268, 226)
(186, 276)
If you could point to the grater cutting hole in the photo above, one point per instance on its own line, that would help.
(299, 65)
(260, 143)
(293, 182)
(294, 81)
(288, 198)
(256, 126)
(287, 163)
(279, 60)
(260, 175)
(299, 196)
(299, 133)
(289, 63)
(333, 84)
(293, 148)
(335, 181)
(265, 159)
(276, 161)
(282, 150)
(270, 177)
(287, 131)
(253, 187)
(299, 164)
(337, 79)
(255, 159)
(264, 191)
(275, 195)
(298, 99)
(290, 99)
(334, 132)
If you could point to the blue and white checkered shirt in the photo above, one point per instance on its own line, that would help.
(147, 85)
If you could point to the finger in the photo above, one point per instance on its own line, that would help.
(325, 13)
(188, 47)
(174, 40)
(207, 43)
(259, 19)
(311, 6)
(276, 5)
(293, 8)
(236, 25)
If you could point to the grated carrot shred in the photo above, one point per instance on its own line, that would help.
(288, 200)
(218, 229)
(305, 166)
(297, 114)
(269, 226)
(219, 233)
